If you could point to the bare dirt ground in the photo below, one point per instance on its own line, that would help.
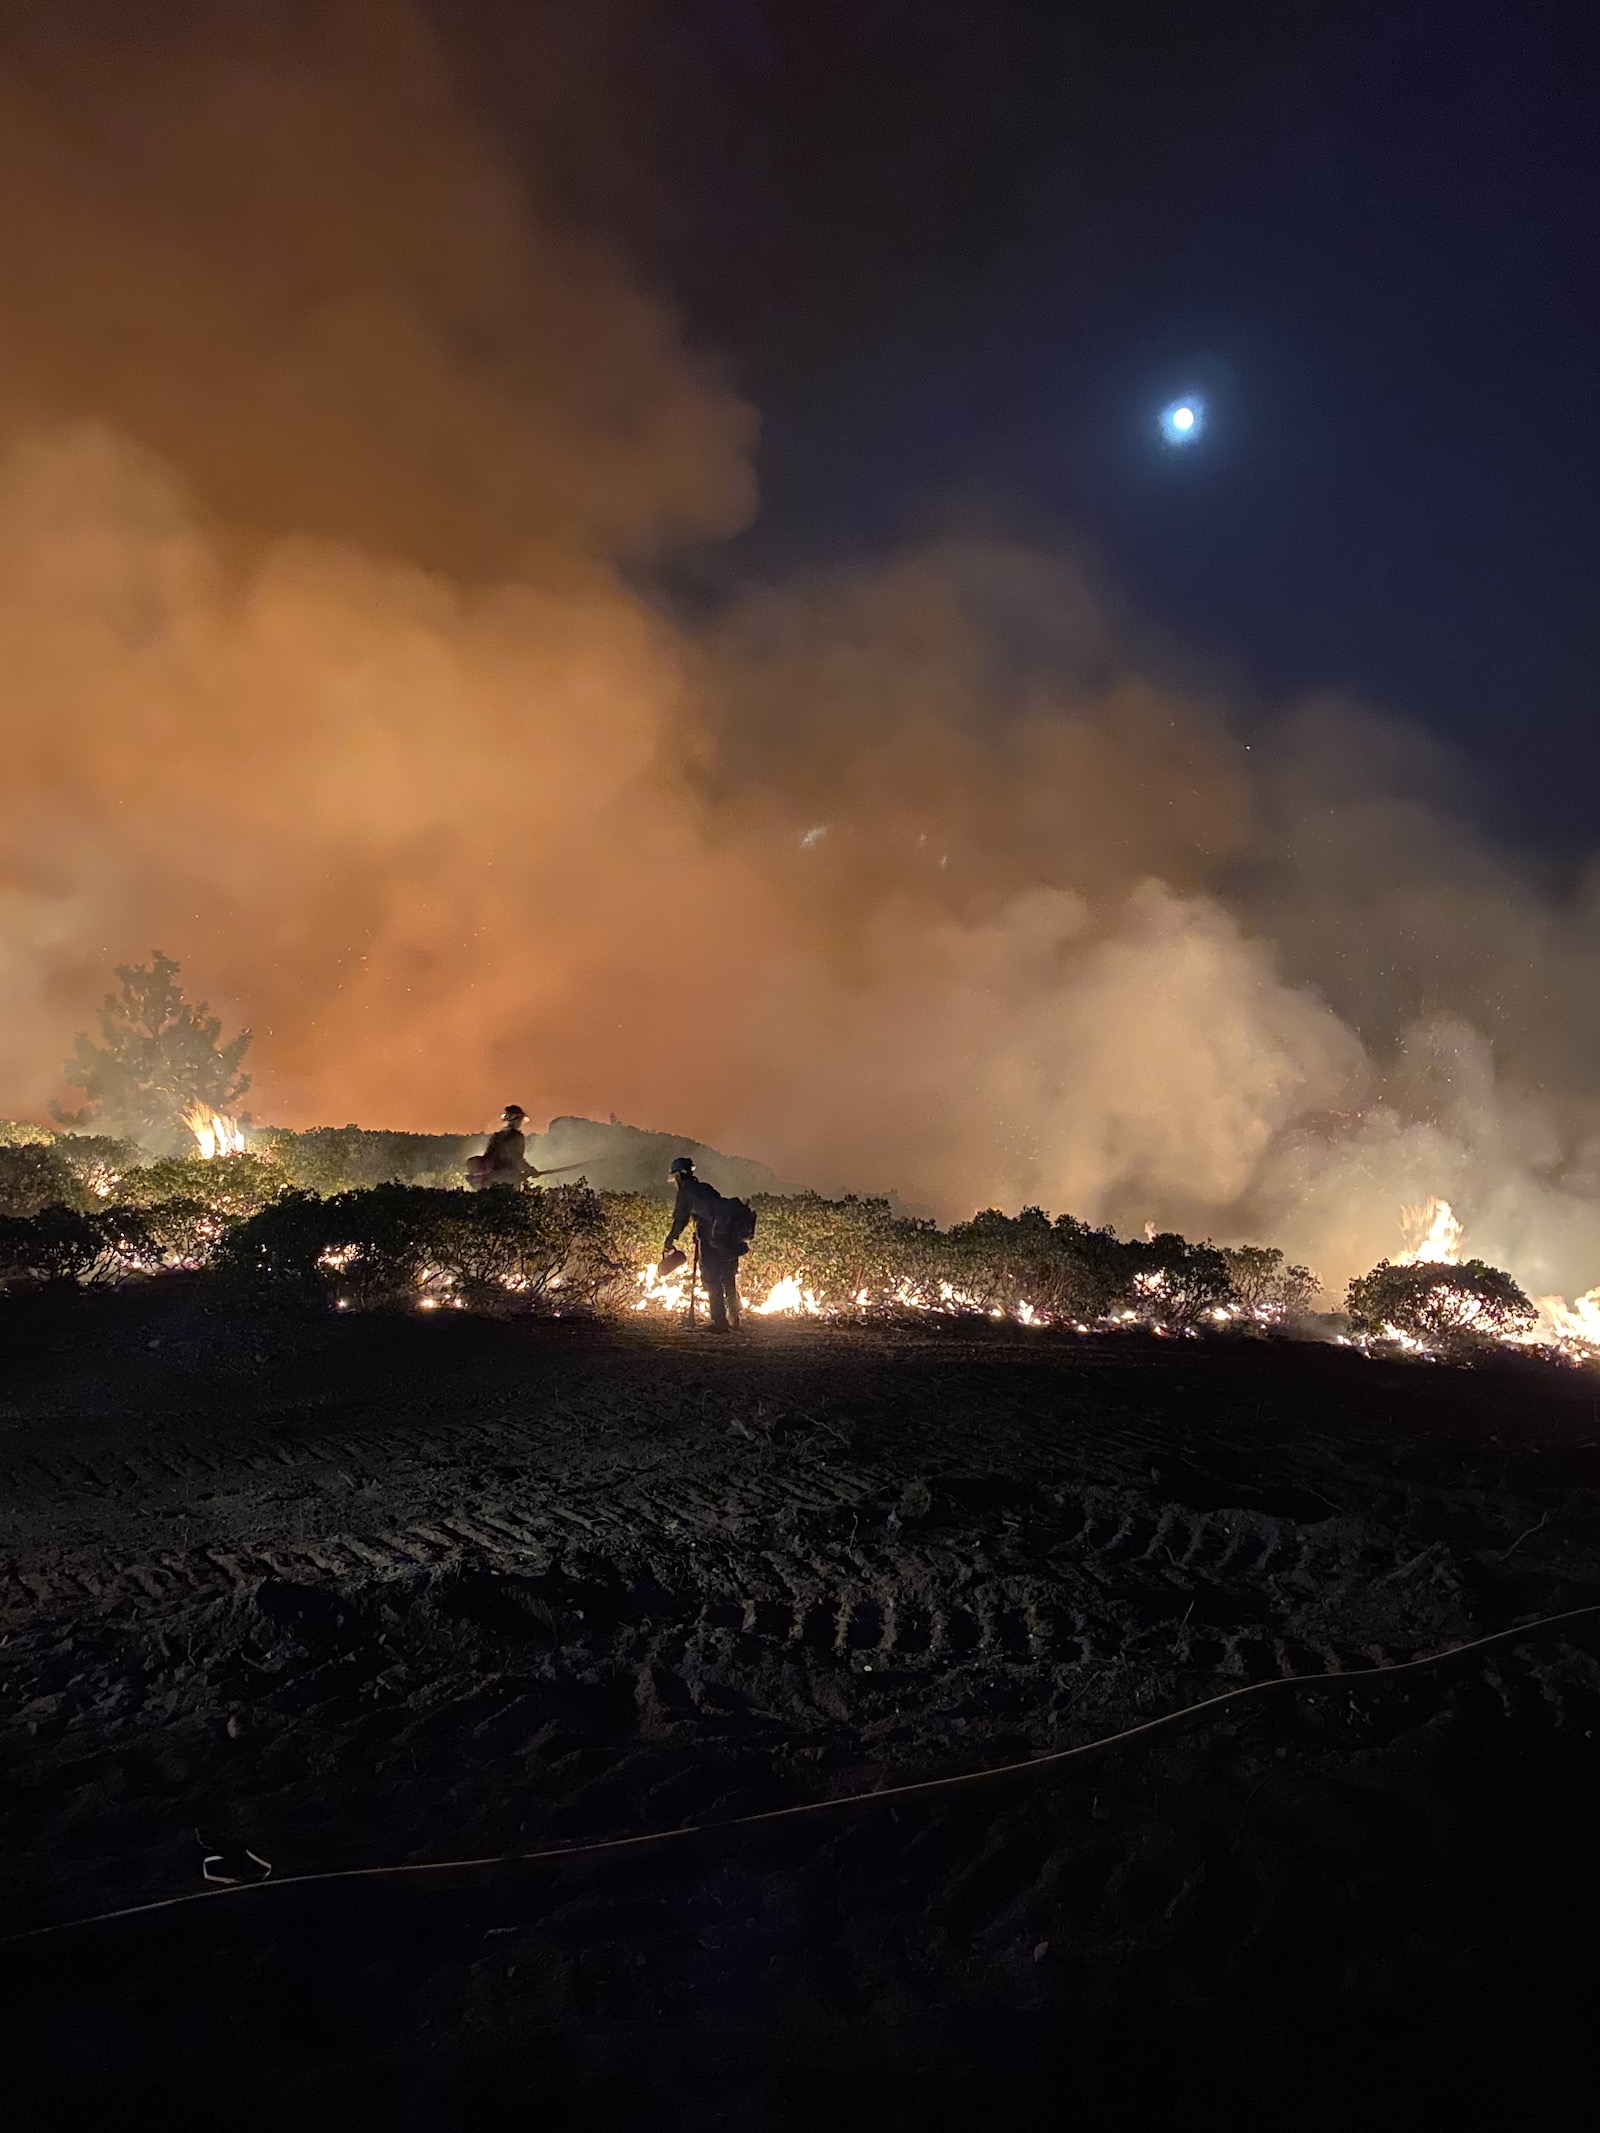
(371, 1592)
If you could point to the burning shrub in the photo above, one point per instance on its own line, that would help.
(99, 1160)
(227, 1187)
(366, 1248)
(167, 1234)
(829, 1252)
(1022, 1264)
(42, 1169)
(1176, 1283)
(1265, 1288)
(399, 1245)
(500, 1250)
(158, 1058)
(112, 1244)
(637, 1223)
(839, 1250)
(36, 1175)
(1439, 1305)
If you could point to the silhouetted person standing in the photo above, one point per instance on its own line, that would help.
(722, 1237)
(504, 1161)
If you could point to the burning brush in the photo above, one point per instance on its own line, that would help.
(214, 1132)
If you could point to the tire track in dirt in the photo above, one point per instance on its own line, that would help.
(715, 1593)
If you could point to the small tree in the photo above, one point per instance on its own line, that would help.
(1438, 1304)
(1177, 1283)
(1265, 1288)
(157, 1059)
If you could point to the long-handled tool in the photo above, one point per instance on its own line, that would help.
(694, 1275)
(476, 1178)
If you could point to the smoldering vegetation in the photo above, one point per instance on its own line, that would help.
(290, 1228)
(351, 1221)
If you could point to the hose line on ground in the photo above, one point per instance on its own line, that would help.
(1043, 1761)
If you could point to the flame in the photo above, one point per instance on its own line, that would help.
(214, 1132)
(788, 1299)
(658, 1292)
(1437, 1233)
(1575, 1323)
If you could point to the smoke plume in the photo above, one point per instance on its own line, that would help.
(332, 457)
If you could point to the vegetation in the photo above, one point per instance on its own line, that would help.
(55, 1246)
(35, 1175)
(226, 1186)
(1267, 1288)
(332, 1217)
(327, 1159)
(1439, 1305)
(157, 1058)
(838, 1250)
(23, 1133)
(402, 1245)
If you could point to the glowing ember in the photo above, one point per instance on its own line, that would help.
(1436, 1232)
(214, 1132)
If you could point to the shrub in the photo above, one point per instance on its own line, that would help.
(1063, 1269)
(838, 1250)
(228, 1187)
(23, 1133)
(1440, 1305)
(98, 1160)
(397, 1245)
(1265, 1288)
(1176, 1283)
(58, 1244)
(35, 1175)
(330, 1159)
(637, 1223)
(505, 1250)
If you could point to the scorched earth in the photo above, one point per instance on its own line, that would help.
(342, 1593)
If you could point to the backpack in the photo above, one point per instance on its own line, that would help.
(734, 1226)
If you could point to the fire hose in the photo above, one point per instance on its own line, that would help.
(804, 1808)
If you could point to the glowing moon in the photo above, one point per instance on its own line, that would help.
(1182, 422)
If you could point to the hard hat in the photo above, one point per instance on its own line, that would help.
(681, 1166)
(513, 1111)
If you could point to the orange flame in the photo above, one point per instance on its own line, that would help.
(214, 1132)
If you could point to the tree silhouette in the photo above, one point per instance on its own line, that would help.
(1439, 1304)
(158, 1056)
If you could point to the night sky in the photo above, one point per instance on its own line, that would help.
(961, 256)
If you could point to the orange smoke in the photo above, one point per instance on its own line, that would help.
(327, 450)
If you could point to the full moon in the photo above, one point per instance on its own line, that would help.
(1182, 422)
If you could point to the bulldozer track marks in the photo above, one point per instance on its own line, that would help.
(708, 1579)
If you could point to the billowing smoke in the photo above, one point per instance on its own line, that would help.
(326, 452)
